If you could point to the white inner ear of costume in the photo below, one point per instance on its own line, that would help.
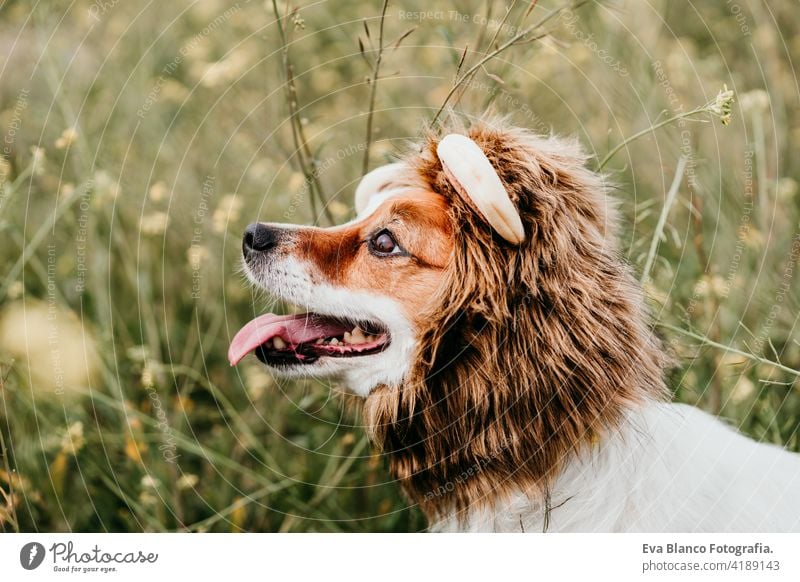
(471, 173)
(378, 185)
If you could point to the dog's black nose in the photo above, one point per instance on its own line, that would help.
(259, 237)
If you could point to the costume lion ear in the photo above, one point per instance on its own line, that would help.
(471, 173)
(380, 179)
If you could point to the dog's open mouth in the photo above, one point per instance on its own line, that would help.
(303, 338)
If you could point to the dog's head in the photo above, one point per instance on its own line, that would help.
(477, 302)
(366, 286)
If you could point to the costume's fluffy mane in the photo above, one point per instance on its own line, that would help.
(531, 352)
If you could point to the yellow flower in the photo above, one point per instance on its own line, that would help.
(723, 105)
(374, 461)
(15, 290)
(228, 69)
(296, 182)
(147, 377)
(150, 482)
(187, 481)
(743, 389)
(338, 209)
(753, 238)
(67, 189)
(718, 286)
(68, 136)
(38, 160)
(158, 191)
(182, 403)
(137, 353)
(227, 211)
(298, 22)
(53, 348)
(256, 380)
(133, 449)
(58, 472)
(154, 223)
(73, 440)
(701, 287)
(239, 514)
(260, 170)
(787, 189)
(174, 91)
(107, 189)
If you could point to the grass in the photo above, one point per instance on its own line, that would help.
(138, 143)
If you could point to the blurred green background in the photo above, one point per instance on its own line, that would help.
(140, 138)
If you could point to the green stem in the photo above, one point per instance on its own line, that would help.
(37, 239)
(374, 90)
(304, 155)
(731, 349)
(644, 132)
(4, 454)
(518, 38)
(662, 219)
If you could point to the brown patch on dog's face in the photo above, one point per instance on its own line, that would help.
(398, 251)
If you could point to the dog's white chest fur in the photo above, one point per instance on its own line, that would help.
(672, 468)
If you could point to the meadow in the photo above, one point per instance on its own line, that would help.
(140, 138)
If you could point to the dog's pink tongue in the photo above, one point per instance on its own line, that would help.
(294, 329)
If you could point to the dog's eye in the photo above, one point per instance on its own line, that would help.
(383, 244)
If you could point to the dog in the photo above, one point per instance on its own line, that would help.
(479, 306)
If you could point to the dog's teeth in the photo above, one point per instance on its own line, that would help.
(348, 338)
(358, 336)
(370, 339)
(334, 342)
(279, 343)
(319, 341)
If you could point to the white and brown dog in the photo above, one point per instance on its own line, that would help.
(480, 307)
